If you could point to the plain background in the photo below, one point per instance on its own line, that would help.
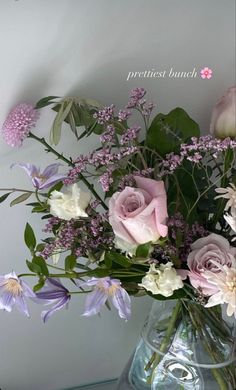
(87, 48)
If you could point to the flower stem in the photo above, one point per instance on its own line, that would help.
(71, 164)
(156, 357)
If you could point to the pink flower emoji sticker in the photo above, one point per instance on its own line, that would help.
(206, 73)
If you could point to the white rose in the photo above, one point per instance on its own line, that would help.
(163, 280)
(71, 204)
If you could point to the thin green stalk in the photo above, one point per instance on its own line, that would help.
(71, 164)
(16, 190)
(216, 373)
(156, 357)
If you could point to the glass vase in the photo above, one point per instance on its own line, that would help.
(183, 346)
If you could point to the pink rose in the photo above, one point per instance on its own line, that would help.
(213, 247)
(223, 116)
(138, 215)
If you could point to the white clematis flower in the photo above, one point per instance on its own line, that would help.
(71, 204)
(162, 280)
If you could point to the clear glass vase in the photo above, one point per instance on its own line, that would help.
(183, 346)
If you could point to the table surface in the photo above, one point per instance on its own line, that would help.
(109, 384)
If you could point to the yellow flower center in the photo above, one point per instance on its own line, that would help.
(110, 290)
(231, 284)
(13, 287)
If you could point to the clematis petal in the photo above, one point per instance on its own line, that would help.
(121, 301)
(60, 304)
(52, 180)
(30, 169)
(7, 301)
(94, 302)
(21, 305)
(51, 170)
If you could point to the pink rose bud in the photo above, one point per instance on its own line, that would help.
(223, 120)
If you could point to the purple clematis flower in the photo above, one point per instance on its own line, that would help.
(55, 293)
(43, 179)
(13, 291)
(105, 288)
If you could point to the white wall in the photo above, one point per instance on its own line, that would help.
(87, 48)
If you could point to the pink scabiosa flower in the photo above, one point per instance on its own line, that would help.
(225, 283)
(45, 179)
(105, 288)
(13, 291)
(19, 123)
(55, 294)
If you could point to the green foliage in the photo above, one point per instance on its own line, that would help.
(143, 250)
(39, 285)
(29, 237)
(167, 132)
(55, 134)
(20, 198)
(118, 258)
(38, 265)
(70, 262)
(4, 197)
(46, 101)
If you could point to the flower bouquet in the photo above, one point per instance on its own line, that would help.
(163, 224)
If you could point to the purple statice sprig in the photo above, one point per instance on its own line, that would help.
(137, 102)
(196, 151)
(182, 235)
(105, 160)
(78, 237)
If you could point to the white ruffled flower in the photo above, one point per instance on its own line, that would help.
(230, 194)
(162, 280)
(226, 284)
(71, 204)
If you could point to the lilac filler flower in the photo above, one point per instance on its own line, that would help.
(54, 293)
(105, 288)
(18, 124)
(43, 179)
(13, 291)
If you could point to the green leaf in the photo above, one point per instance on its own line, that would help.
(118, 259)
(108, 261)
(99, 272)
(21, 198)
(46, 101)
(40, 247)
(55, 134)
(143, 250)
(40, 208)
(29, 237)
(168, 131)
(39, 285)
(70, 262)
(41, 263)
(3, 197)
(33, 267)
